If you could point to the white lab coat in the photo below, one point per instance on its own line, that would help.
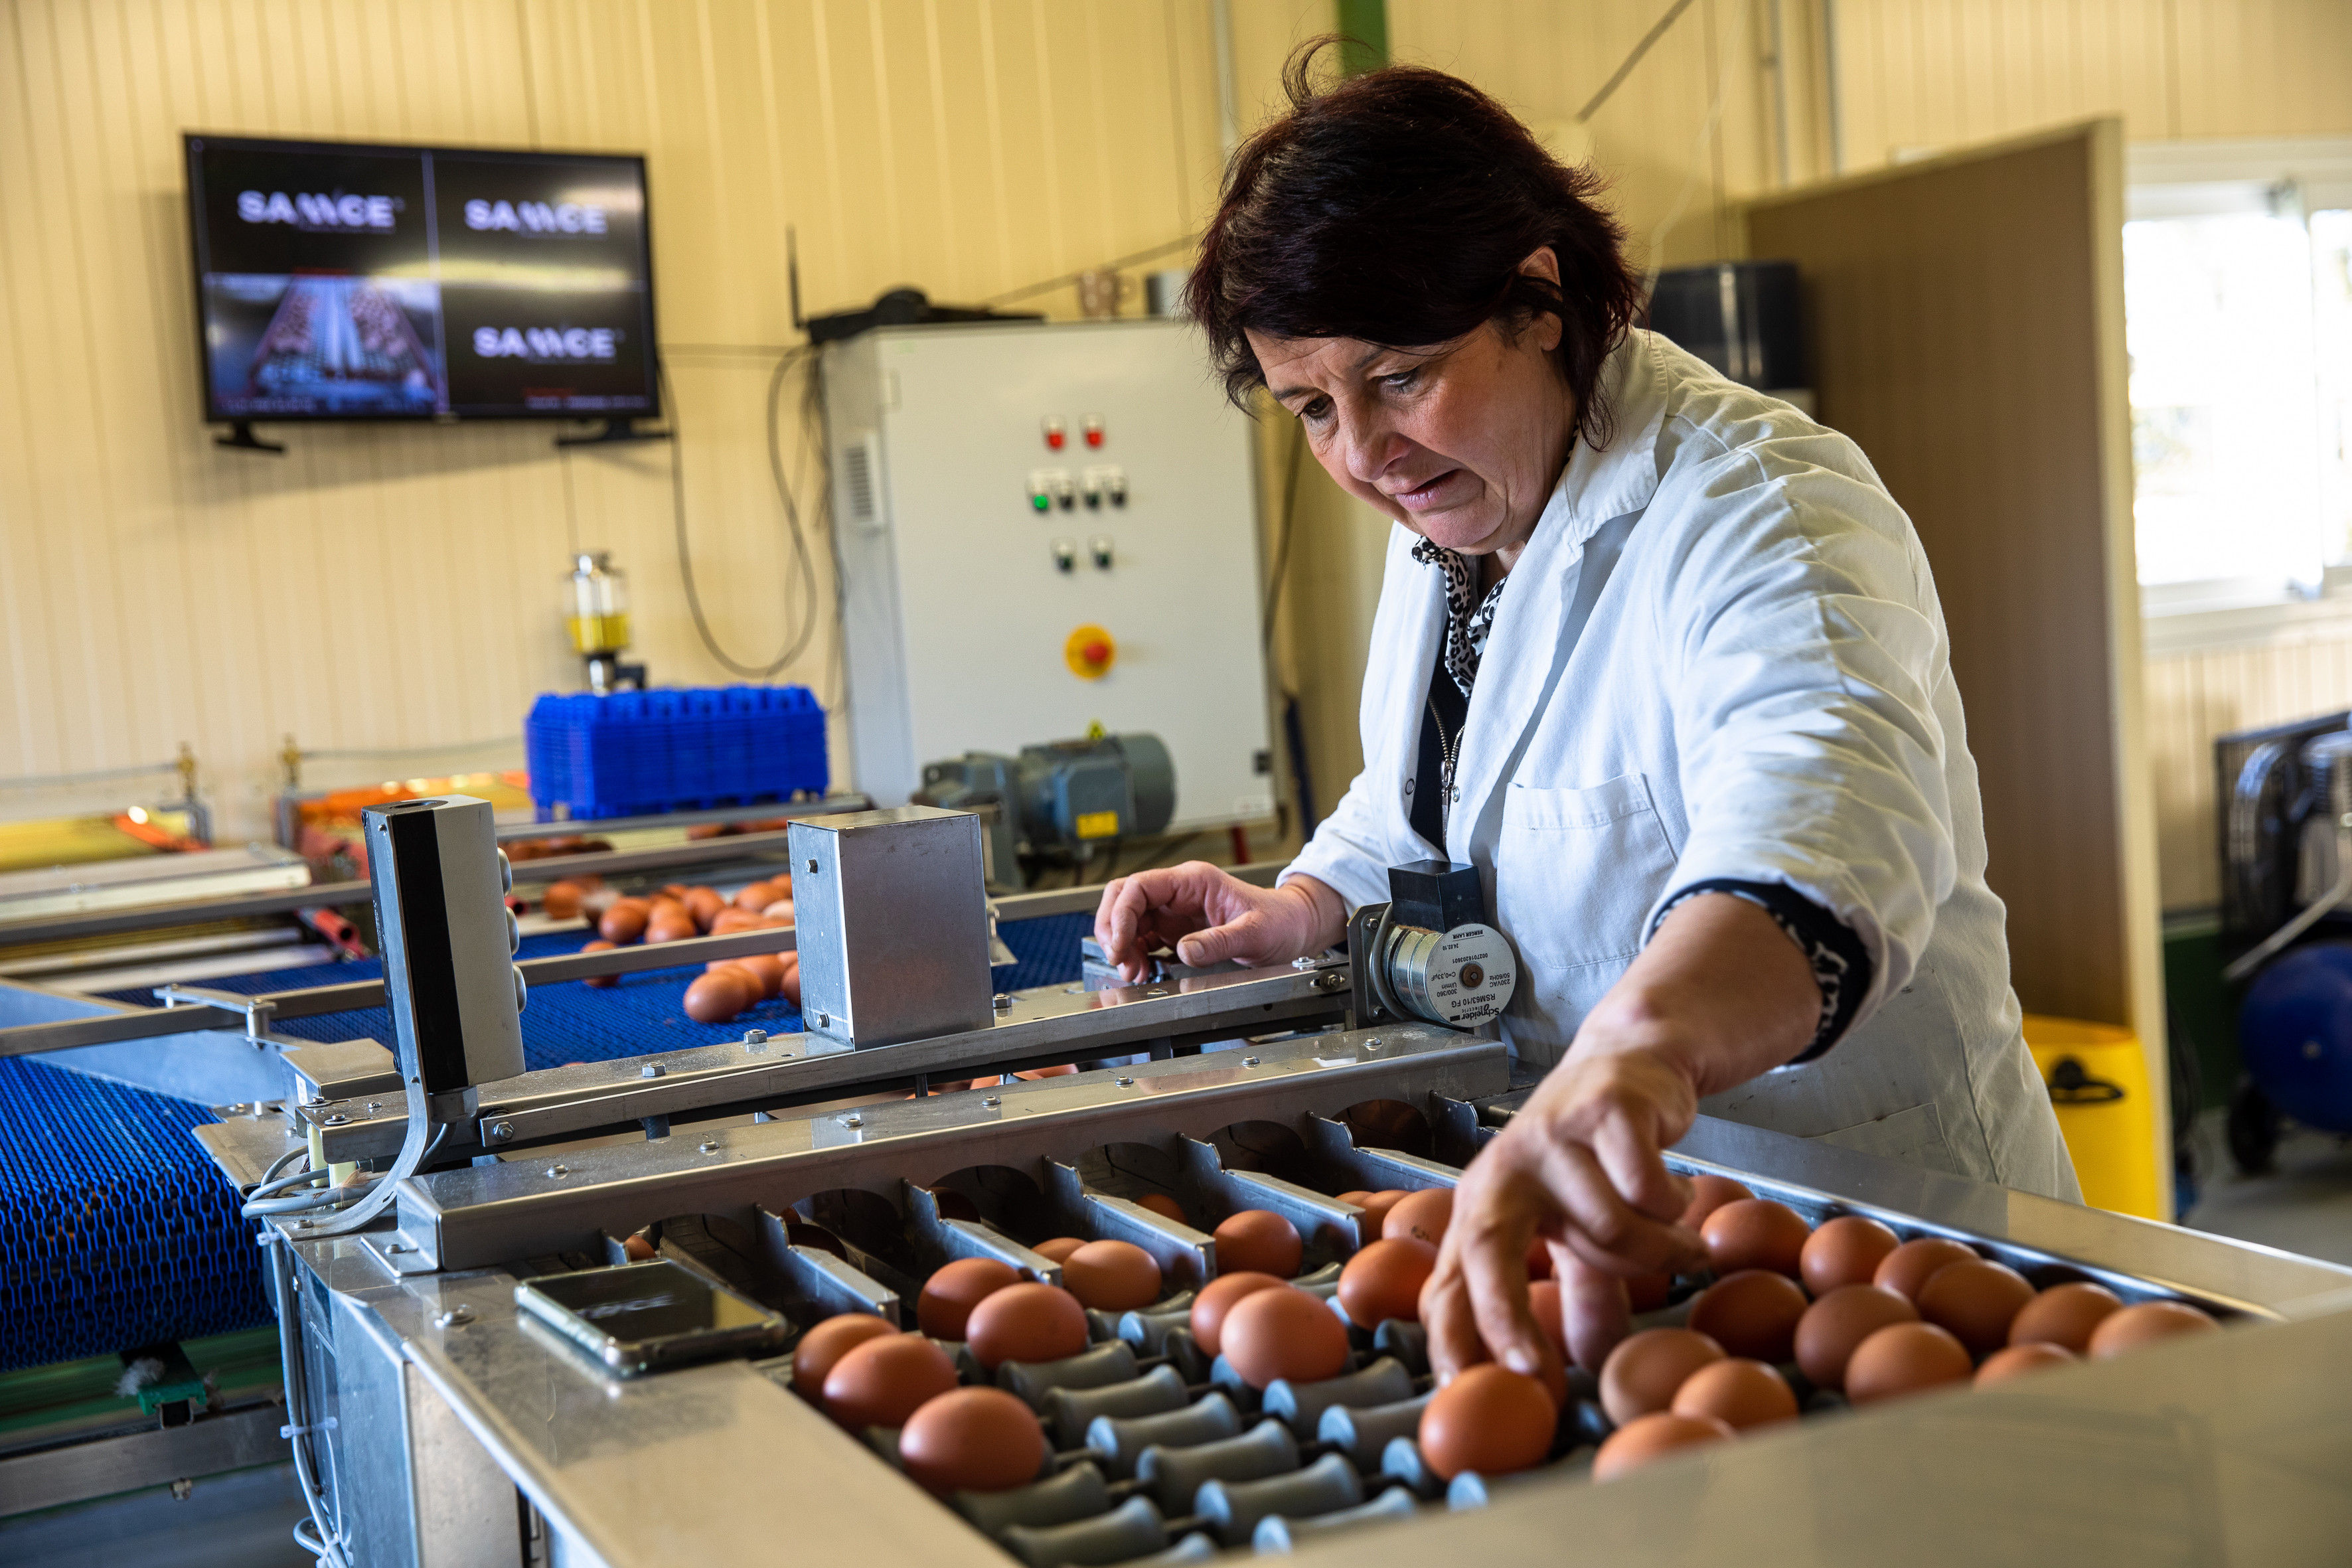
(1721, 655)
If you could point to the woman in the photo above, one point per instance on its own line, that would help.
(1657, 654)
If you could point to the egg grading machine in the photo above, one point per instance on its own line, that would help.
(436, 1425)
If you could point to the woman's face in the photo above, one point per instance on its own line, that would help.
(1461, 442)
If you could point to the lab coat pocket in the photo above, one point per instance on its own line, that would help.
(1576, 871)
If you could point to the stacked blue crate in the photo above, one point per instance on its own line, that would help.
(637, 752)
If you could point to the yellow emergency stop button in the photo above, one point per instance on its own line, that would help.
(1091, 653)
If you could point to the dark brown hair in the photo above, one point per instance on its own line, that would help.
(1396, 207)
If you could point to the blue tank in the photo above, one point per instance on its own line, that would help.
(2295, 1034)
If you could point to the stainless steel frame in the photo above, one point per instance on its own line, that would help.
(2185, 1452)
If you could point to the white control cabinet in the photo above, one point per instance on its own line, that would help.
(1043, 528)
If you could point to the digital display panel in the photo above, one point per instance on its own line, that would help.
(348, 281)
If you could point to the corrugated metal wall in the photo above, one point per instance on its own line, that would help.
(395, 587)
(386, 587)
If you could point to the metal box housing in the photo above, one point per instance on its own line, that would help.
(968, 549)
(892, 909)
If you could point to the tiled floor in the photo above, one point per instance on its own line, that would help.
(2304, 1205)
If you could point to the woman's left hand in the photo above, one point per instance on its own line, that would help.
(1719, 996)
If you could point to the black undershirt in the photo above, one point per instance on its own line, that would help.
(1444, 704)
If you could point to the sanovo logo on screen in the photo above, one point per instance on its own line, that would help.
(535, 218)
(544, 342)
(314, 210)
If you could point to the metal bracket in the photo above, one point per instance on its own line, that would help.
(259, 1011)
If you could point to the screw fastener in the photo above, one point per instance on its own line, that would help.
(501, 1131)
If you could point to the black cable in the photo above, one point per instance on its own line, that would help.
(1657, 31)
(1120, 265)
(792, 645)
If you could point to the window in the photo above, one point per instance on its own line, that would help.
(2237, 307)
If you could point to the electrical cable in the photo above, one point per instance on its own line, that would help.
(1617, 77)
(323, 1543)
(1682, 198)
(1119, 265)
(793, 644)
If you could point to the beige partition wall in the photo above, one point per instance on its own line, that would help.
(1966, 329)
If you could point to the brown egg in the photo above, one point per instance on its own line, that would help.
(1216, 1299)
(756, 897)
(1164, 1206)
(2133, 1327)
(720, 995)
(1384, 1281)
(1654, 1436)
(1708, 1194)
(1356, 1197)
(1752, 1313)
(781, 912)
(1424, 1215)
(675, 891)
(1755, 1233)
(1258, 1241)
(1025, 1323)
(1488, 1419)
(954, 1288)
(1846, 1250)
(1912, 1264)
(1977, 1300)
(561, 901)
(1543, 1305)
(884, 1381)
(638, 1248)
(1643, 1373)
(1738, 1393)
(1112, 1276)
(790, 988)
(821, 1347)
(972, 1439)
(1059, 1247)
(1376, 1207)
(625, 921)
(599, 981)
(681, 928)
(726, 922)
(2017, 1361)
(1284, 1333)
(704, 905)
(1833, 1326)
(665, 906)
(764, 967)
(2063, 1315)
(1904, 1358)
(1648, 1292)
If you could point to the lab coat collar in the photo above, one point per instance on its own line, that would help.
(1621, 477)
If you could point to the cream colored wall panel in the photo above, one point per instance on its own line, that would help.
(385, 587)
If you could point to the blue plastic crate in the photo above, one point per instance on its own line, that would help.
(637, 752)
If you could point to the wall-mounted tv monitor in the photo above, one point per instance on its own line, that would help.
(348, 280)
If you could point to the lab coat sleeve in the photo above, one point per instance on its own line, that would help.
(1806, 650)
(1350, 852)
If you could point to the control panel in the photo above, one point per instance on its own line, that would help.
(1053, 528)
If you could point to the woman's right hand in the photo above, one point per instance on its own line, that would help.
(1210, 916)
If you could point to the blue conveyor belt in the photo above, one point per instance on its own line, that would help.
(116, 1230)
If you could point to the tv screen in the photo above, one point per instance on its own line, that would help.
(342, 280)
